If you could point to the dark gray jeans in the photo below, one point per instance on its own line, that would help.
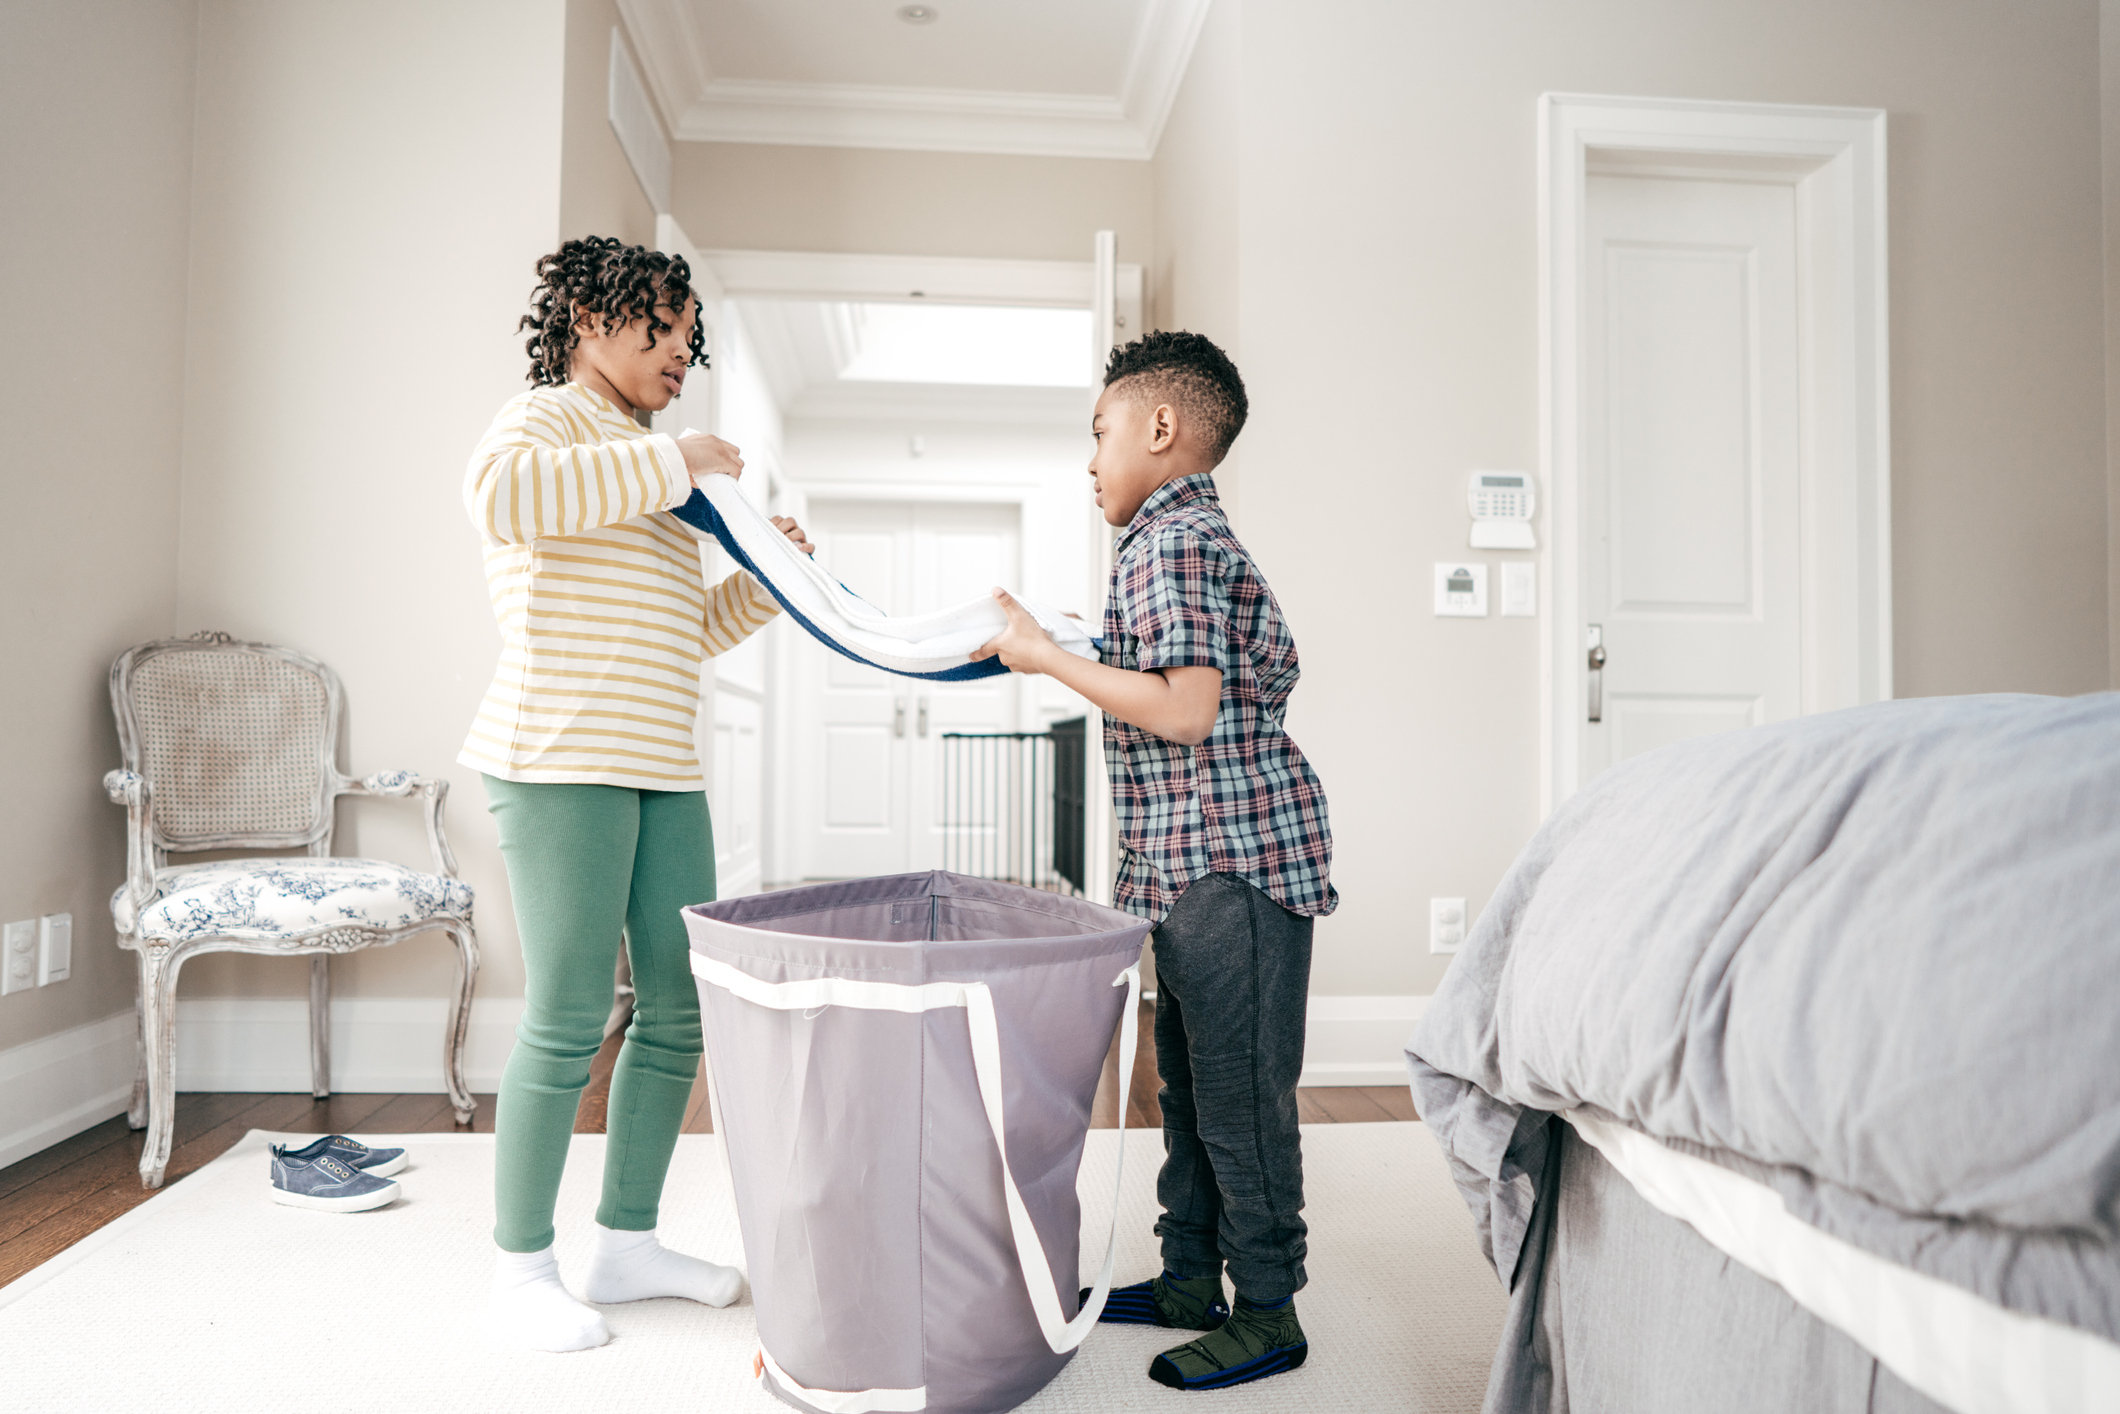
(1232, 977)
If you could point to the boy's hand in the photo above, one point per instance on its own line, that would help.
(1023, 646)
(786, 526)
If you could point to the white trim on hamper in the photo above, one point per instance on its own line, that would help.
(54, 1087)
(386, 1044)
(860, 1401)
(1966, 1353)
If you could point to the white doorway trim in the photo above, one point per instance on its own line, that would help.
(825, 275)
(1835, 159)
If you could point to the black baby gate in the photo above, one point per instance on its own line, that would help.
(1012, 805)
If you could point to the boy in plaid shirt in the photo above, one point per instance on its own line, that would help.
(1224, 844)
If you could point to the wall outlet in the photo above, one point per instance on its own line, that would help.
(1446, 924)
(55, 948)
(18, 957)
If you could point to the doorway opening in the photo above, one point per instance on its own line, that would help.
(940, 403)
(926, 422)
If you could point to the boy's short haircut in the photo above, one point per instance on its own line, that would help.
(617, 283)
(1188, 372)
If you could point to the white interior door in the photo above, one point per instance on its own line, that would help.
(868, 764)
(1690, 517)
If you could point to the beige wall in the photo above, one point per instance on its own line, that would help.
(1388, 286)
(2109, 112)
(95, 102)
(1194, 182)
(1355, 219)
(731, 196)
(1192, 276)
(373, 186)
(599, 195)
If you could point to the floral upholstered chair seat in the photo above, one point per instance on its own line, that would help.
(270, 899)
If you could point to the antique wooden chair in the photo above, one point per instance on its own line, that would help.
(230, 745)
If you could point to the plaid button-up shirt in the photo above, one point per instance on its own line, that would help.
(1185, 594)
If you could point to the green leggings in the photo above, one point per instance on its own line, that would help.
(586, 862)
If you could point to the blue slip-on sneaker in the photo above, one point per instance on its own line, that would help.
(327, 1185)
(1179, 1303)
(353, 1154)
(1259, 1339)
(1279, 1361)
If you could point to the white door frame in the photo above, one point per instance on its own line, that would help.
(1066, 284)
(946, 279)
(1835, 158)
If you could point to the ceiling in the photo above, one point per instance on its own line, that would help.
(1083, 78)
(917, 363)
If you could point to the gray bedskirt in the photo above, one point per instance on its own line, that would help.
(1619, 1307)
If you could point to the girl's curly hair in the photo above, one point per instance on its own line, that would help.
(611, 281)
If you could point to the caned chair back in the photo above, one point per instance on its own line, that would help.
(238, 741)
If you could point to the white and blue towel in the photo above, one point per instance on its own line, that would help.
(935, 646)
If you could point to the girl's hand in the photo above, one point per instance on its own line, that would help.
(786, 526)
(707, 455)
(1023, 646)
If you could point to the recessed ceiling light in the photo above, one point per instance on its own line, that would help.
(917, 14)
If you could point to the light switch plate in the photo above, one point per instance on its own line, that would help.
(1519, 589)
(1460, 590)
(55, 948)
(18, 956)
(1446, 924)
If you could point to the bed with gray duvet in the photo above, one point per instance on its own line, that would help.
(1782, 1071)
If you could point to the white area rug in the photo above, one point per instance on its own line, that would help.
(211, 1297)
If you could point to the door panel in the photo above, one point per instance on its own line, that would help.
(1642, 723)
(1683, 479)
(868, 772)
(850, 769)
(960, 552)
(1690, 514)
(857, 775)
(737, 798)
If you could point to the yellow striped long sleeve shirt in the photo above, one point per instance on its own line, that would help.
(605, 613)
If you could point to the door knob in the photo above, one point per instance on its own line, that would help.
(1597, 672)
(898, 717)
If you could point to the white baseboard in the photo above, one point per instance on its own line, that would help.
(68, 1082)
(56, 1086)
(59, 1085)
(1358, 1040)
(377, 1043)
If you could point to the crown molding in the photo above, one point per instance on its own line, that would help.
(1155, 67)
(698, 107)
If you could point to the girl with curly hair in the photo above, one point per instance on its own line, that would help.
(585, 742)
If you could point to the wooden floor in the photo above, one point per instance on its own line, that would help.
(53, 1199)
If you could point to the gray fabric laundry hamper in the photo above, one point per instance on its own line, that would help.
(869, 1041)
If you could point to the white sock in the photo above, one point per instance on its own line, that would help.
(634, 1266)
(531, 1308)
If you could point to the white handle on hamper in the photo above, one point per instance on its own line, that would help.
(978, 1002)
